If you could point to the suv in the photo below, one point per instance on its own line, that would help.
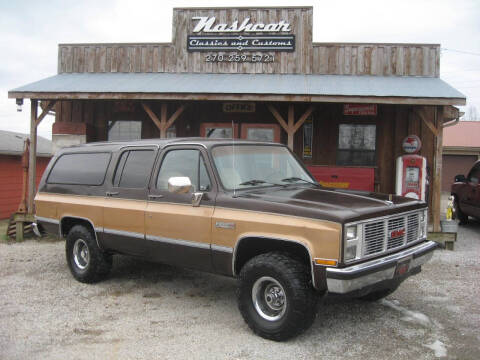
(242, 209)
(466, 195)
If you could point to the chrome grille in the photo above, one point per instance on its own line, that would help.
(374, 237)
(412, 227)
(390, 233)
(396, 232)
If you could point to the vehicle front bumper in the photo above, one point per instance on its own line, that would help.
(359, 276)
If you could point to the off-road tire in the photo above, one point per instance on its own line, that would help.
(98, 265)
(457, 212)
(379, 294)
(294, 278)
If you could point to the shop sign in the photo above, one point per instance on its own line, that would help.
(411, 144)
(241, 43)
(307, 138)
(207, 25)
(237, 107)
(360, 109)
(238, 36)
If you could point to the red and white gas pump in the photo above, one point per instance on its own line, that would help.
(411, 179)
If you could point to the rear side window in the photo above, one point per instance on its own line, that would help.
(80, 169)
(133, 169)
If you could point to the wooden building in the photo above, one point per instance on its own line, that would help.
(255, 73)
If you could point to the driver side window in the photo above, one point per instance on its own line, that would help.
(187, 163)
(474, 175)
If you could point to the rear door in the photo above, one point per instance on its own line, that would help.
(126, 200)
(178, 232)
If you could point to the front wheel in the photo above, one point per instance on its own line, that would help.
(275, 296)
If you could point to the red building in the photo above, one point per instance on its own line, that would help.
(11, 172)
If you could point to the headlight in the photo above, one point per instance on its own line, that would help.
(351, 232)
(352, 243)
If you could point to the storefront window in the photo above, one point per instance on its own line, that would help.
(356, 145)
(218, 133)
(124, 130)
(259, 134)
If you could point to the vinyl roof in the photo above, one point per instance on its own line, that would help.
(268, 87)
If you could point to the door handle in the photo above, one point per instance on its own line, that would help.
(155, 196)
(112, 193)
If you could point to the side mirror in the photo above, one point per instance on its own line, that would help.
(460, 178)
(179, 184)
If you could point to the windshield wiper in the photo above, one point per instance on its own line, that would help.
(254, 182)
(295, 179)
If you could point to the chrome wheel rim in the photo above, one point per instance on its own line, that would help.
(81, 255)
(269, 299)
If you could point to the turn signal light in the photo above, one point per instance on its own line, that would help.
(326, 262)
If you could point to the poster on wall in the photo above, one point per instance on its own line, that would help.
(307, 138)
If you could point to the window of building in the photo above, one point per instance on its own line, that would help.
(80, 169)
(133, 169)
(218, 130)
(356, 145)
(124, 130)
(188, 163)
(261, 132)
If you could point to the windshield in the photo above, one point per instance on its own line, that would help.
(257, 165)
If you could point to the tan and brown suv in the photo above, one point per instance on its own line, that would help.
(247, 210)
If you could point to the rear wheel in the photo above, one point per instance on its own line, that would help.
(275, 296)
(87, 262)
(457, 212)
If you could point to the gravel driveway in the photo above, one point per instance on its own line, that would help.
(150, 311)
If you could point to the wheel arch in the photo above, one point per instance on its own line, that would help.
(68, 221)
(249, 246)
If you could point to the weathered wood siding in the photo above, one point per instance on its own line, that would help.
(376, 59)
(308, 57)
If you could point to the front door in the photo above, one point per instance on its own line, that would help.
(178, 232)
(126, 200)
(472, 198)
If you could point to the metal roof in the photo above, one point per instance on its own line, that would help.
(311, 87)
(11, 143)
(464, 134)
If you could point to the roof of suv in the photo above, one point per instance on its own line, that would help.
(115, 145)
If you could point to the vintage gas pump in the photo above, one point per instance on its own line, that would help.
(411, 178)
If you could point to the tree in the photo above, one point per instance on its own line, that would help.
(471, 114)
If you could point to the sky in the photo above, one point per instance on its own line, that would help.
(30, 32)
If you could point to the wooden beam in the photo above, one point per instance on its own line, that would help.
(45, 112)
(163, 119)
(291, 122)
(32, 163)
(427, 122)
(278, 117)
(175, 116)
(304, 117)
(238, 97)
(152, 115)
(437, 171)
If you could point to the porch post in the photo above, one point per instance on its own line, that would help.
(437, 170)
(32, 170)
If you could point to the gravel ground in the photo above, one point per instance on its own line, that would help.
(147, 311)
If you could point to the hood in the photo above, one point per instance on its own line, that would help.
(330, 204)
